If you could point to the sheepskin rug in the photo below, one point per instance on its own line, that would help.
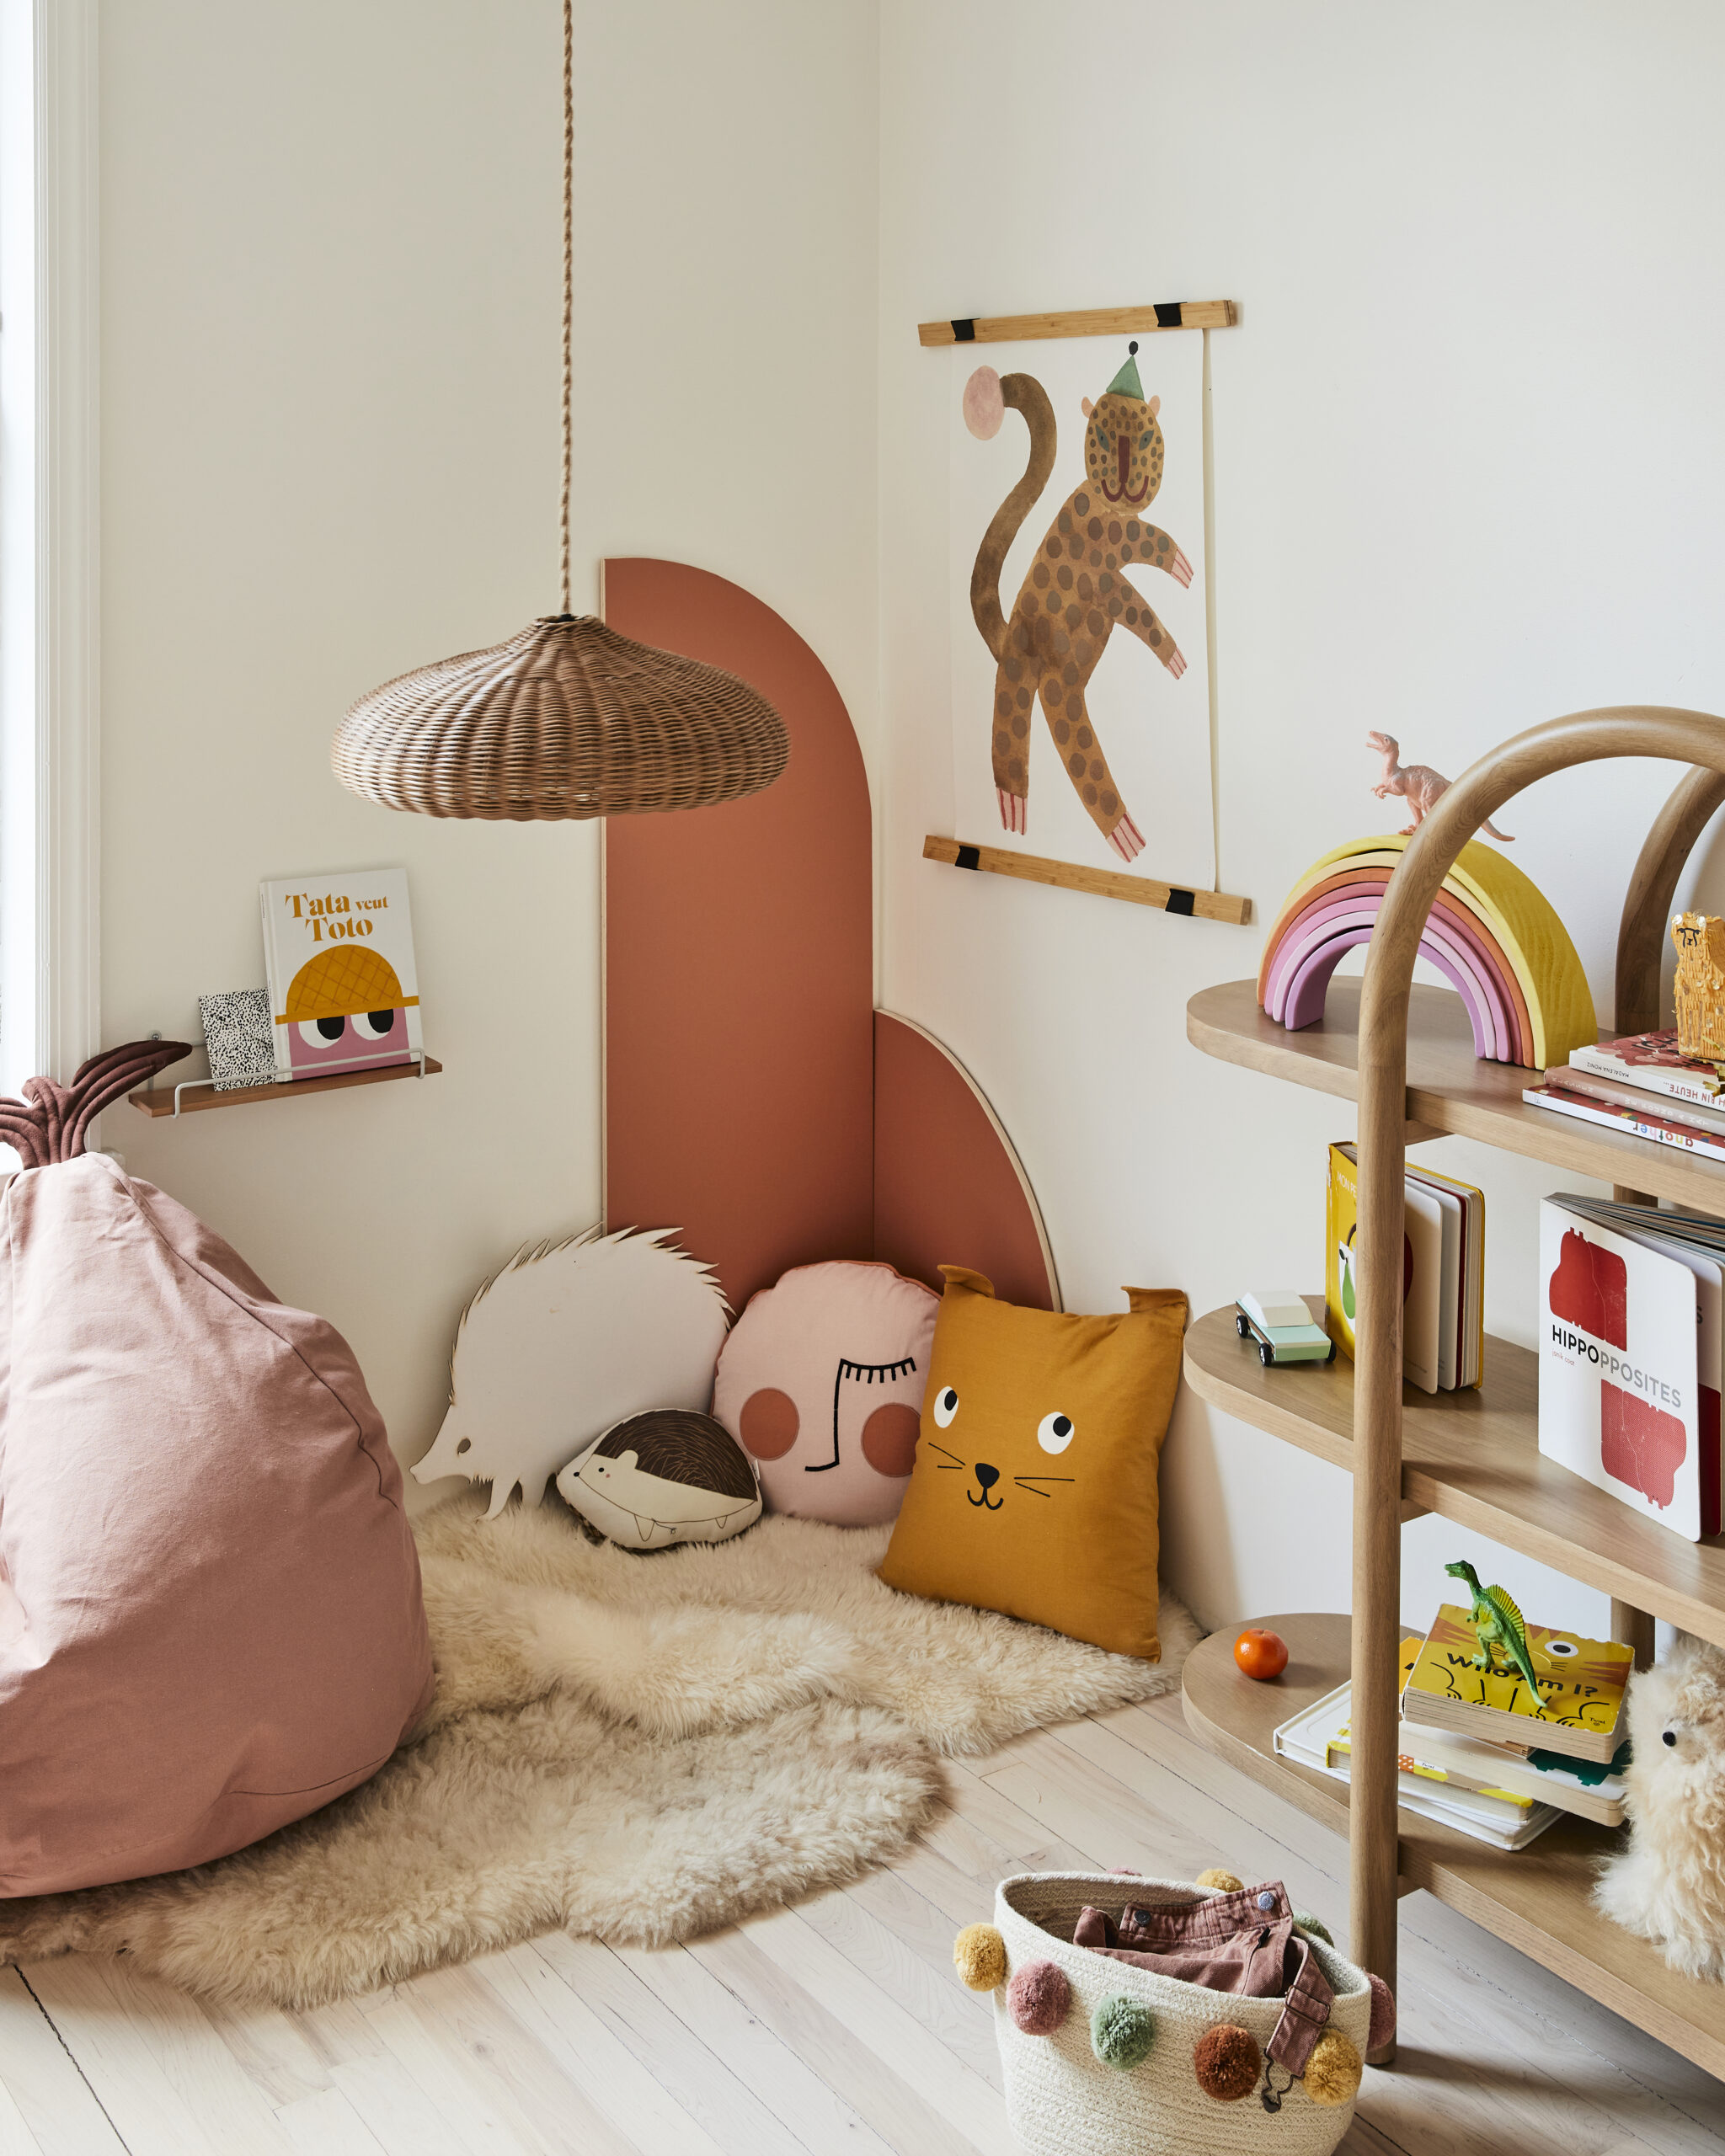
(639, 1747)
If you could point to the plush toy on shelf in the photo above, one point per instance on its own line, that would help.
(1668, 1885)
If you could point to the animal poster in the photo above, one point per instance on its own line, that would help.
(1080, 623)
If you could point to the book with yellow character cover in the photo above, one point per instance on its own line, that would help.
(1577, 1711)
(344, 990)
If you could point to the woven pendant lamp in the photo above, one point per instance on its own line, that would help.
(567, 718)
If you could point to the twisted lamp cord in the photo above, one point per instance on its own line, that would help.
(569, 284)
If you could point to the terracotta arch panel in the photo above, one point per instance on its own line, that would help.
(949, 1188)
(739, 960)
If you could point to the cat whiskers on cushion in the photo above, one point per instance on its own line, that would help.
(952, 1458)
(1029, 1482)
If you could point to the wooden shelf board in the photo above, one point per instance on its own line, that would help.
(1097, 882)
(1536, 1899)
(1448, 1087)
(158, 1101)
(1474, 1457)
(1084, 322)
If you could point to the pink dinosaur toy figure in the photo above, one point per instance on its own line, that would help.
(1420, 787)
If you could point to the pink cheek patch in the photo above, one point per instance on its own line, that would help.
(769, 1423)
(890, 1439)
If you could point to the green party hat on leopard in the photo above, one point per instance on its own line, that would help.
(1126, 383)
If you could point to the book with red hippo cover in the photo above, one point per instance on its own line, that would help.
(1701, 1246)
(1619, 1332)
(344, 990)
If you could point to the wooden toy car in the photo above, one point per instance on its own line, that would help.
(1278, 1321)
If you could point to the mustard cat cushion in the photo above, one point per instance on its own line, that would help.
(1035, 1488)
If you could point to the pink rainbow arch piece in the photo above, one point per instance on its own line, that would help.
(1306, 1004)
(1298, 978)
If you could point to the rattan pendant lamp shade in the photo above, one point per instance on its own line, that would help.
(567, 718)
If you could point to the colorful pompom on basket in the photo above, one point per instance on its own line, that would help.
(1061, 2095)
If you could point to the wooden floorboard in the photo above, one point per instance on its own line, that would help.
(838, 2025)
(44, 2087)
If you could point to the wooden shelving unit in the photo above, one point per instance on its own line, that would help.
(1405, 1054)
(1537, 1898)
(1448, 1092)
(1474, 1457)
(158, 1099)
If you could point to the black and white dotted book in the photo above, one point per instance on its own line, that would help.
(239, 1038)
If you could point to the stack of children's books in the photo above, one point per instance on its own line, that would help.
(1644, 1084)
(1443, 1330)
(1481, 1751)
(1632, 1354)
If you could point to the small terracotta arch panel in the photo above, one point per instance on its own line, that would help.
(949, 1188)
(752, 1100)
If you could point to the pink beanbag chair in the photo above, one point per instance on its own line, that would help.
(821, 1381)
(210, 1611)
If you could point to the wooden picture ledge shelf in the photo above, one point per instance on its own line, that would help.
(158, 1101)
(1097, 883)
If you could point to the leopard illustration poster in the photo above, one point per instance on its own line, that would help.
(1079, 609)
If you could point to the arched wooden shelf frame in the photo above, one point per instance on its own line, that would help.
(1443, 1470)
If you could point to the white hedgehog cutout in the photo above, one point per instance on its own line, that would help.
(566, 1340)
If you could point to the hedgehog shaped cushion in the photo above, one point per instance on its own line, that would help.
(669, 1475)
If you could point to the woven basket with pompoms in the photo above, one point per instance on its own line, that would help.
(1100, 2056)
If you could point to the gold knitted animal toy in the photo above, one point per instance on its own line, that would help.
(1700, 938)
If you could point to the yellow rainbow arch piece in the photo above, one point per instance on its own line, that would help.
(1493, 933)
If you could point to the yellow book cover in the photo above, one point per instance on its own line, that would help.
(1581, 1681)
(1341, 1220)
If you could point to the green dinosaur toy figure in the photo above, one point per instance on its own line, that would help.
(1498, 1625)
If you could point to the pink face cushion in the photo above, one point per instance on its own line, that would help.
(821, 1382)
(210, 1613)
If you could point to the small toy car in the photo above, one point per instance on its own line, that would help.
(1278, 1319)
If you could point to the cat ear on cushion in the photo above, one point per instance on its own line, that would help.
(1140, 1300)
(962, 1276)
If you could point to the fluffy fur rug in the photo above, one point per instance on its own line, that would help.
(639, 1747)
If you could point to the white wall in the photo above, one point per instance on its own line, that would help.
(1468, 449)
(331, 278)
(1467, 445)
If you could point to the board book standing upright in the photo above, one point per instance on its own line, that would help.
(1443, 1277)
(338, 956)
